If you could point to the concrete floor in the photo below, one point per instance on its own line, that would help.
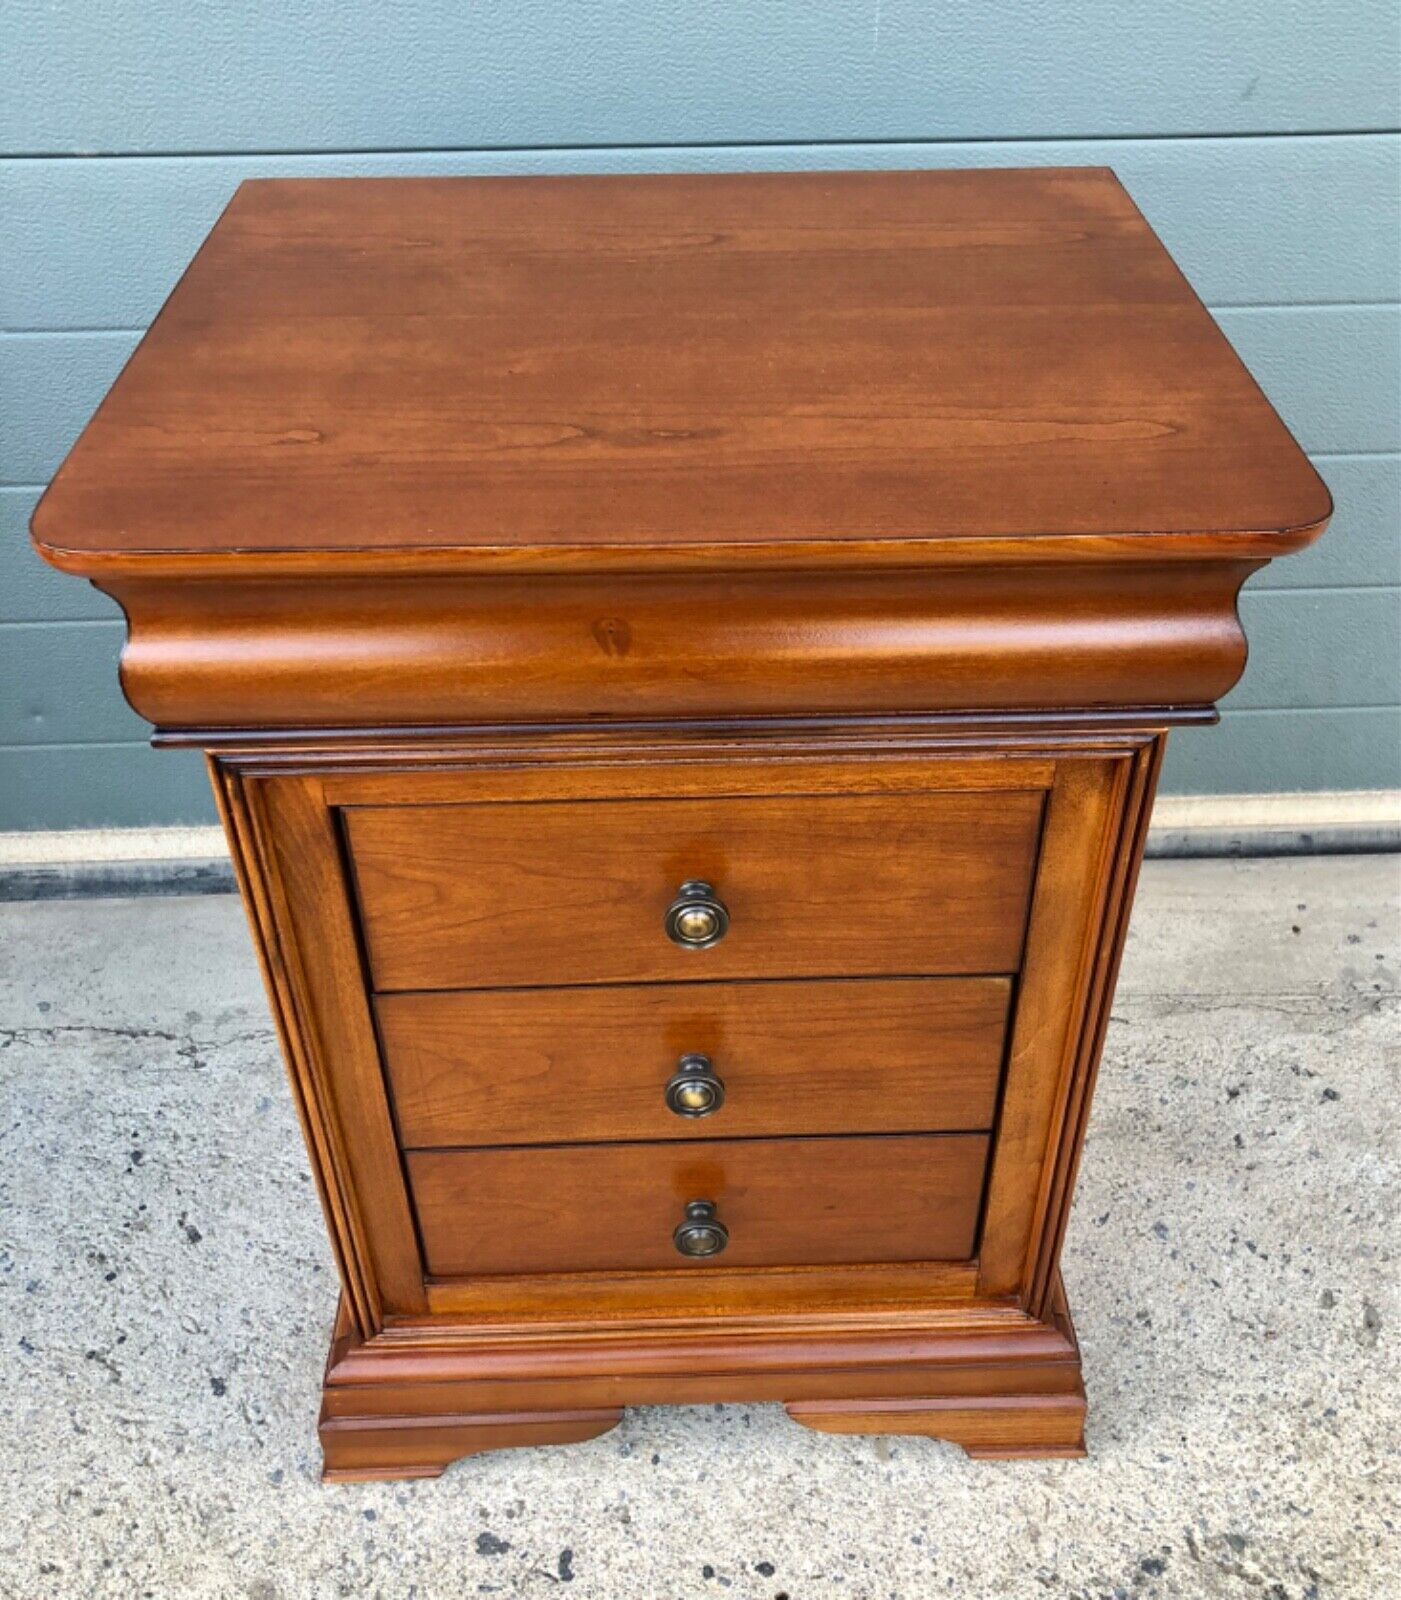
(165, 1296)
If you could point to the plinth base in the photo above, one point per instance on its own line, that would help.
(409, 1402)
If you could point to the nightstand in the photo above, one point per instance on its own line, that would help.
(684, 663)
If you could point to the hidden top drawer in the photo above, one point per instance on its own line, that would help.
(694, 1060)
(576, 892)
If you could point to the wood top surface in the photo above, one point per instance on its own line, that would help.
(678, 370)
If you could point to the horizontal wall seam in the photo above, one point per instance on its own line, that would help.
(1305, 710)
(61, 621)
(72, 333)
(1233, 307)
(1305, 305)
(703, 144)
(1325, 588)
(1230, 307)
(76, 744)
(1353, 455)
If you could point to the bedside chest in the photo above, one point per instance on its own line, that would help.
(683, 663)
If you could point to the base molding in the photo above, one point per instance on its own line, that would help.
(988, 1427)
(360, 1448)
(409, 1402)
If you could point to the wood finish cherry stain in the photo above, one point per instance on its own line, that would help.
(521, 550)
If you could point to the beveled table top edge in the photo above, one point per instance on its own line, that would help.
(739, 556)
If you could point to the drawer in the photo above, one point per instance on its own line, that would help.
(513, 1066)
(785, 1202)
(471, 896)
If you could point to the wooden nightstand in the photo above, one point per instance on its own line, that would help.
(684, 662)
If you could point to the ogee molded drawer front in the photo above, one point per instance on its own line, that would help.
(784, 1202)
(470, 896)
(691, 1061)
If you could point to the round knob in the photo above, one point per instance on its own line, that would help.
(695, 1089)
(697, 917)
(700, 1232)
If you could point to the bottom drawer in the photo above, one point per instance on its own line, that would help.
(785, 1202)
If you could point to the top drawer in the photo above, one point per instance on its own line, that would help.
(470, 896)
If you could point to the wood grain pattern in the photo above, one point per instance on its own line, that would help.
(335, 649)
(672, 761)
(815, 1354)
(787, 1202)
(571, 1065)
(643, 362)
(997, 1428)
(1076, 859)
(356, 1449)
(740, 1295)
(975, 1405)
(309, 901)
(360, 1303)
(990, 1378)
(524, 548)
(476, 896)
(1139, 782)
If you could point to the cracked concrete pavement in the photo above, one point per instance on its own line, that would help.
(166, 1293)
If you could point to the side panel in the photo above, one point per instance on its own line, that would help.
(1093, 840)
(284, 840)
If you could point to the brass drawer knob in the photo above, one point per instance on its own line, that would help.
(697, 917)
(695, 1089)
(700, 1232)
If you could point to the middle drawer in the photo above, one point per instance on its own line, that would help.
(687, 1061)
